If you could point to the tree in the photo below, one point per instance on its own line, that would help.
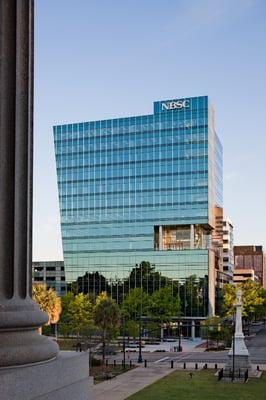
(79, 313)
(213, 329)
(102, 296)
(76, 313)
(261, 309)
(135, 303)
(252, 298)
(193, 296)
(106, 316)
(132, 328)
(48, 301)
(164, 304)
(64, 325)
(144, 276)
(91, 283)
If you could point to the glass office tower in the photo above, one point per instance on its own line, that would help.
(137, 199)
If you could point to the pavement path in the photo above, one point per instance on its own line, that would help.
(124, 385)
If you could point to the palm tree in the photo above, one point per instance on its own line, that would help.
(107, 317)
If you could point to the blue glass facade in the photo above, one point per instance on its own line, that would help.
(138, 189)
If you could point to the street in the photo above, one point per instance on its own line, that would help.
(256, 344)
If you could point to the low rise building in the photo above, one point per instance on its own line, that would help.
(52, 273)
(241, 275)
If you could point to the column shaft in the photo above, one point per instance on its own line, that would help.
(20, 317)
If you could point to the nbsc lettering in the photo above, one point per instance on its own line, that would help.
(173, 105)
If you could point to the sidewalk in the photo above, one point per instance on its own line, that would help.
(130, 382)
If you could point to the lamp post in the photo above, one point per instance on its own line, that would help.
(124, 344)
(140, 328)
(180, 332)
(140, 315)
(233, 364)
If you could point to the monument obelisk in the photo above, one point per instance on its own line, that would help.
(238, 354)
(31, 367)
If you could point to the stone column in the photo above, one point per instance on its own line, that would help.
(20, 317)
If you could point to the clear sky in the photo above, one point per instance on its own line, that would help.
(107, 59)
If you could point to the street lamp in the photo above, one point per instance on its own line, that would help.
(180, 333)
(140, 354)
(124, 344)
(140, 315)
(233, 373)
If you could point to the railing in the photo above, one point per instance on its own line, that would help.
(234, 375)
(246, 376)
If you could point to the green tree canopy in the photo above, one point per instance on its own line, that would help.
(261, 309)
(134, 303)
(145, 276)
(214, 329)
(106, 316)
(77, 313)
(165, 304)
(252, 298)
(132, 328)
(102, 296)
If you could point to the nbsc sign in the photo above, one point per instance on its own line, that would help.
(173, 105)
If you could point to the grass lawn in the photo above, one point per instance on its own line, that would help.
(203, 385)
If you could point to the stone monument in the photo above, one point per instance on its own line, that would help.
(31, 365)
(238, 354)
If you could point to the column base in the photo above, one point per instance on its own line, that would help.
(65, 378)
(20, 341)
(25, 347)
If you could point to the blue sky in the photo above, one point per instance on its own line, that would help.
(97, 60)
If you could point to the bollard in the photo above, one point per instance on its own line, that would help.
(184, 366)
(172, 364)
(145, 363)
(196, 366)
(215, 366)
(106, 362)
(258, 367)
(114, 363)
(122, 363)
(130, 363)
